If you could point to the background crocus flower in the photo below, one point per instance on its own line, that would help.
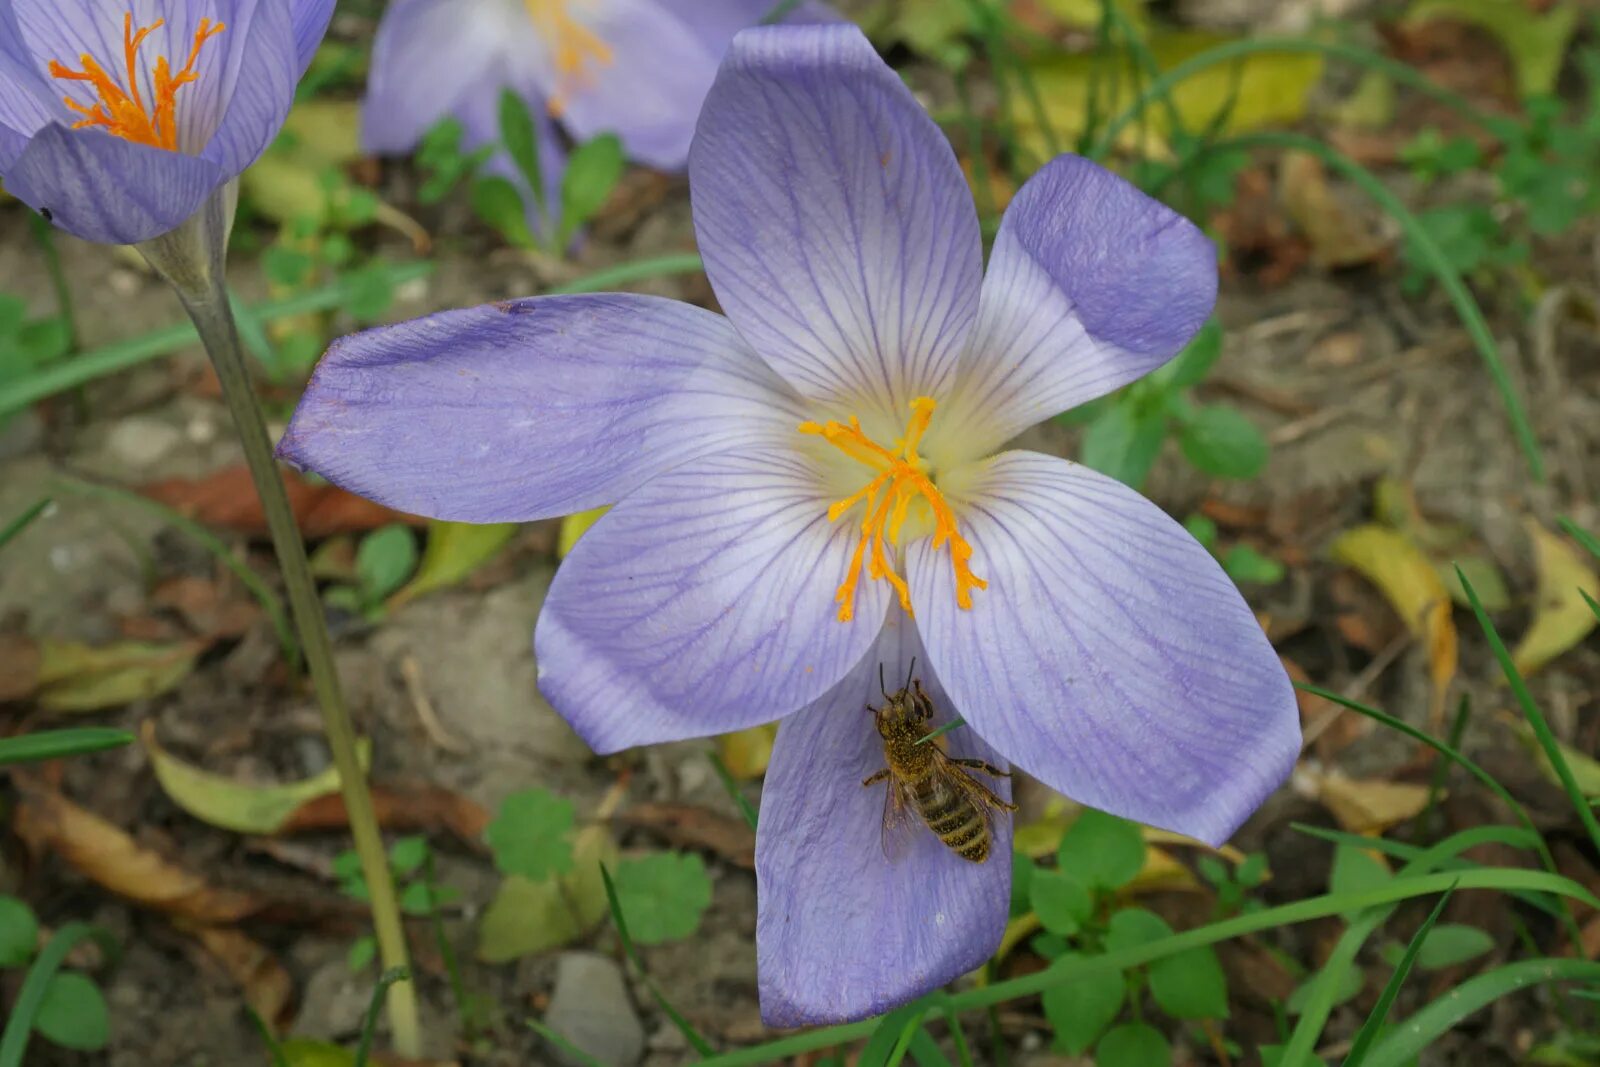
(808, 488)
(636, 68)
(118, 120)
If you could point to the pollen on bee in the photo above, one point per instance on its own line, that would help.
(901, 481)
(123, 111)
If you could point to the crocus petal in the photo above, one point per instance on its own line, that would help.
(1091, 284)
(837, 229)
(27, 100)
(429, 56)
(719, 20)
(261, 72)
(704, 602)
(102, 188)
(1110, 656)
(533, 408)
(841, 931)
(311, 18)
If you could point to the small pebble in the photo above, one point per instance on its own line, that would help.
(590, 1008)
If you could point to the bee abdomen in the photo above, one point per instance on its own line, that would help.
(956, 821)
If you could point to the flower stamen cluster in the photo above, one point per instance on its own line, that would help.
(123, 112)
(901, 480)
(573, 45)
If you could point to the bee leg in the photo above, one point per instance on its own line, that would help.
(981, 765)
(873, 779)
(989, 796)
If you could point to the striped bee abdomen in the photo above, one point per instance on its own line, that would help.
(953, 816)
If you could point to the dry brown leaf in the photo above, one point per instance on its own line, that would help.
(691, 826)
(1561, 618)
(209, 607)
(266, 985)
(227, 499)
(415, 809)
(19, 667)
(1367, 805)
(1339, 236)
(111, 858)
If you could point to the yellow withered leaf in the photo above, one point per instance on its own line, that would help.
(1561, 617)
(74, 677)
(242, 807)
(1392, 562)
(746, 753)
(1367, 805)
(574, 527)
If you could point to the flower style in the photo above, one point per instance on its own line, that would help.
(810, 488)
(118, 120)
(636, 68)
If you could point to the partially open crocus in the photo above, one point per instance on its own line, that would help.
(809, 488)
(636, 68)
(118, 120)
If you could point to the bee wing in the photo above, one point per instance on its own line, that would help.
(897, 821)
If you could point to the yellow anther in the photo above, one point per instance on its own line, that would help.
(573, 46)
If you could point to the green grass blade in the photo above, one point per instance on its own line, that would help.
(1090, 968)
(1410, 1037)
(684, 1027)
(60, 744)
(725, 776)
(1530, 710)
(23, 521)
(563, 1044)
(1582, 536)
(1380, 1011)
(369, 1022)
(19, 1025)
(79, 370)
(626, 273)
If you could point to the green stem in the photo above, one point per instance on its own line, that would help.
(191, 258)
(19, 1025)
(1093, 968)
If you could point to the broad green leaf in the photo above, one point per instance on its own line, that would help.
(593, 170)
(1448, 944)
(408, 854)
(1061, 901)
(1355, 870)
(527, 917)
(521, 139)
(1080, 1011)
(244, 808)
(1220, 441)
(1190, 985)
(362, 952)
(455, 550)
(1132, 927)
(1244, 564)
(19, 932)
(385, 560)
(75, 677)
(73, 1013)
(1133, 1045)
(1196, 360)
(1350, 983)
(1022, 873)
(1101, 850)
(499, 205)
(662, 895)
(1123, 442)
(529, 835)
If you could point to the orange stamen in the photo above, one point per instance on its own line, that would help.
(888, 497)
(573, 45)
(123, 112)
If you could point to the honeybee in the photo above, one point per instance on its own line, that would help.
(923, 778)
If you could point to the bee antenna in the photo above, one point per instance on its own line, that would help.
(911, 672)
(881, 687)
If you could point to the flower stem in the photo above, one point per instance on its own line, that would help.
(191, 258)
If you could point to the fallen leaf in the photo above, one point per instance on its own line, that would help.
(108, 856)
(303, 1052)
(207, 606)
(19, 667)
(1390, 561)
(529, 917)
(227, 500)
(1561, 616)
(455, 550)
(232, 805)
(746, 753)
(1486, 579)
(574, 527)
(75, 677)
(692, 826)
(1340, 237)
(266, 985)
(1161, 873)
(1585, 768)
(1365, 805)
(1535, 42)
(417, 809)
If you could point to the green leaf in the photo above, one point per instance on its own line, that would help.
(73, 1013)
(1203, 530)
(19, 932)
(455, 550)
(1272, 1056)
(1222, 442)
(407, 854)
(499, 204)
(1355, 870)
(362, 953)
(518, 133)
(529, 835)
(593, 170)
(1245, 564)
(1105, 852)
(1061, 901)
(1196, 360)
(1133, 1045)
(1451, 943)
(417, 899)
(1124, 443)
(530, 917)
(1080, 1011)
(1190, 985)
(663, 895)
(385, 560)
(1351, 982)
(1022, 872)
(1132, 927)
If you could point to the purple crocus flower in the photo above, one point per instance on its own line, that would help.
(636, 68)
(118, 120)
(809, 489)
